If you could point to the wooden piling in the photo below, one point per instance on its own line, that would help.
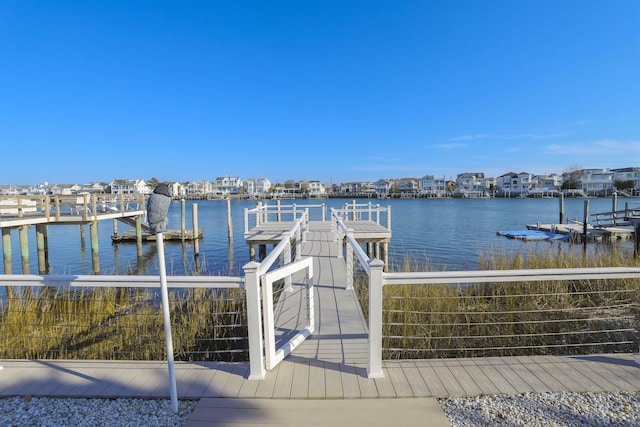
(6, 250)
(139, 236)
(229, 224)
(561, 201)
(24, 248)
(196, 245)
(95, 254)
(585, 221)
(183, 219)
(41, 243)
(82, 238)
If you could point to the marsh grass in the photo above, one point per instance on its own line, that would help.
(122, 323)
(525, 318)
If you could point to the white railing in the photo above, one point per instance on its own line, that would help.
(85, 205)
(264, 213)
(378, 278)
(365, 212)
(289, 245)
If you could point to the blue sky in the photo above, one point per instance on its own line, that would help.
(328, 90)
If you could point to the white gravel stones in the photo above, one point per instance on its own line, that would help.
(620, 409)
(63, 412)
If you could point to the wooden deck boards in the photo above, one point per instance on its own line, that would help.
(309, 379)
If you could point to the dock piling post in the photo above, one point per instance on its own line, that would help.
(183, 226)
(24, 248)
(139, 236)
(196, 234)
(41, 232)
(229, 224)
(585, 223)
(6, 250)
(561, 199)
(82, 238)
(95, 256)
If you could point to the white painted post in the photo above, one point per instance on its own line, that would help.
(298, 244)
(349, 261)
(167, 322)
(254, 320)
(286, 254)
(389, 218)
(375, 319)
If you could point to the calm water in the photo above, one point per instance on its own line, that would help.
(448, 233)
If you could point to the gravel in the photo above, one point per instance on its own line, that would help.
(545, 409)
(63, 412)
(620, 409)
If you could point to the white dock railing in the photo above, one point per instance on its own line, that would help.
(365, 212)
(377, 279)
(264, 213)
(257, 282)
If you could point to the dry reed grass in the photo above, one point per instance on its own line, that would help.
(498, 319)
(122, 323)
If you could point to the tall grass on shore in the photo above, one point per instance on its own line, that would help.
(524, 318)
(122, 324)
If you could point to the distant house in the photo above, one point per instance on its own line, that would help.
(408, 185)
(515, 183)
(229, 185)
(471, 184)
(595, 182)
(628, 174)
(315, 189)
(65, 189)
(429, 185)
(94, 187)
(357, 188)
(382, 187)
(258, 186)
(130, 186)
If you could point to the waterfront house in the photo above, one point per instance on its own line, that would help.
(631, 175)
(130, 186)
(595, 182)
(258, 186)
(94, 187)
(314, 189)
(515, 184)
(229, 185)
(470, 184)
(408, 186)
(65, 189)
(382, 187)
(431, 186)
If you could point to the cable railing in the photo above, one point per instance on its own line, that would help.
(491, 312)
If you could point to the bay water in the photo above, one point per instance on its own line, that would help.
(445, 233)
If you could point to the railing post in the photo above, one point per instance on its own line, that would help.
(349, 261)
(254, 321)
(286, 254)
(389, 218)
(375, 319)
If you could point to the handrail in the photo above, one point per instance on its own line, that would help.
(378, 279)
(263, 212)
(273, 256)
(143, 281)
(86, 205)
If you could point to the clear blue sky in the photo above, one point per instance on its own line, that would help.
(328, 90)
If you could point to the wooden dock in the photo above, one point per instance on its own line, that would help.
(324, 380)
(577, 229)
